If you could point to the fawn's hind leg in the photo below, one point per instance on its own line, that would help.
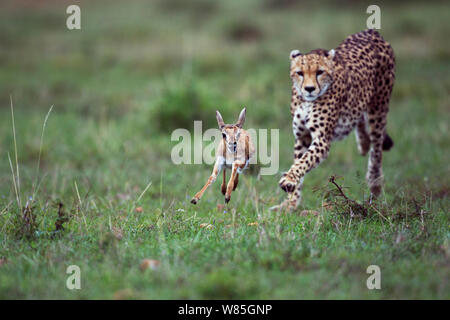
(217, 168)
(224, 183)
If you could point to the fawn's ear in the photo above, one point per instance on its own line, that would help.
(219, 120)
(241, 119)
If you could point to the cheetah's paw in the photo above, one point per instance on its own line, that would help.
(287, 183)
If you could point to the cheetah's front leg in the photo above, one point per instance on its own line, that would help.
(316, 153)
(293, 199)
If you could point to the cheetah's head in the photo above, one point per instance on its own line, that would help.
(312, 73)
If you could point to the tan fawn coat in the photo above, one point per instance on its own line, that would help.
(233, 152)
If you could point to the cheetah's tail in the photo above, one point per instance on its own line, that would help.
(387, 142)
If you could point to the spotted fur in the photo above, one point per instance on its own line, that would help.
(334, 92)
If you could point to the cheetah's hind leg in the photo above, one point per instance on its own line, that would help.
(362, 137)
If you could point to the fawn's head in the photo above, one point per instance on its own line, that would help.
(231, 132)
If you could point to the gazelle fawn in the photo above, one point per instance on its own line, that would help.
(233, 152)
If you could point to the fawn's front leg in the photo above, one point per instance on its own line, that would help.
(217, 168)
(224, 182)
(236, 181)
(233, 179)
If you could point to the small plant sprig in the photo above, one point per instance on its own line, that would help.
(26, 217)
(348, 204)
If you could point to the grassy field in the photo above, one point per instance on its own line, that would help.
(132, 74)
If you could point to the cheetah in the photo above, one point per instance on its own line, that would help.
(334, 92)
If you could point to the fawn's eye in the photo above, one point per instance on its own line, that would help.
(224, 135)
(300, 73)
(319, 72)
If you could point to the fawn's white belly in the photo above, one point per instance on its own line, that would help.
(228, 163)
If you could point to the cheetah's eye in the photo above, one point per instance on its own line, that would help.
(300, 73)
(319, 72)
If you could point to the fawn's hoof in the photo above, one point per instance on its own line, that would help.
(227, 199)
(194, 201)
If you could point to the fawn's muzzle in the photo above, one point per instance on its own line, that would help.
(232, 147)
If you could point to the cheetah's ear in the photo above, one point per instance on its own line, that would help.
(331, 53)
(219, 120)
(294, 54)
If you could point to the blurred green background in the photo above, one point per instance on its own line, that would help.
(139, 69)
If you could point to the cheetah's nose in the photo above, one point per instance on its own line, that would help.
(310, 89)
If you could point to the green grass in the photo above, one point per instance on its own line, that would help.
(131, 75)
